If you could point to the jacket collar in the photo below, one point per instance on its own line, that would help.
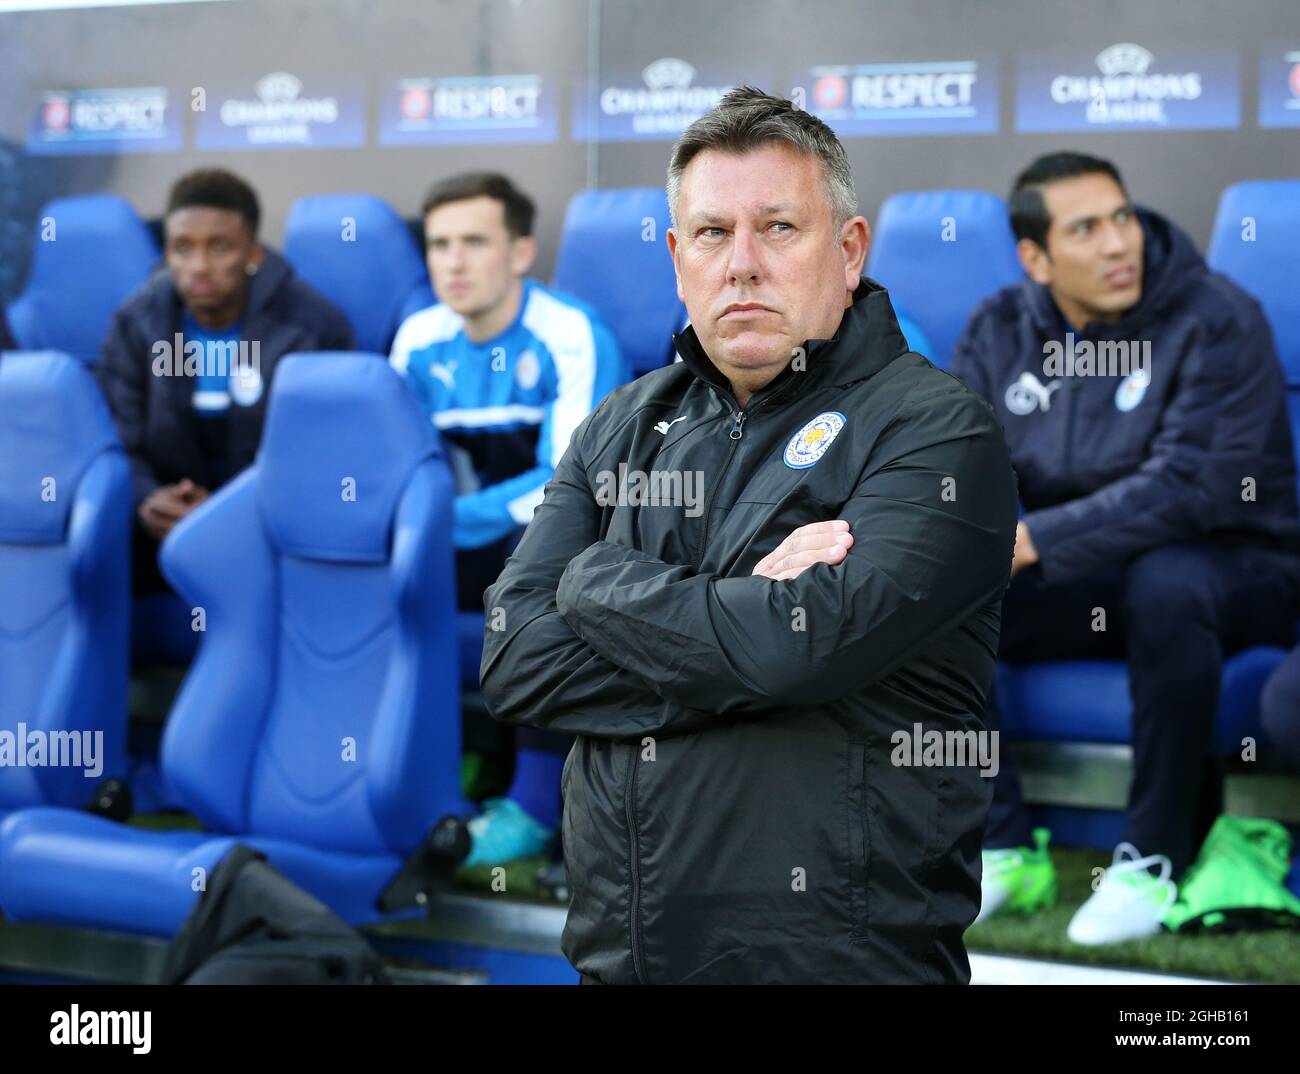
(868, 338)
(273, 275)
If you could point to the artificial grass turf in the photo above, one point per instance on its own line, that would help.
(1271, 956)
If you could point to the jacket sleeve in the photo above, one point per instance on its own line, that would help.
(1168, 497)
(583, 379)
(122, 372)
(536, 672)
(927, 553)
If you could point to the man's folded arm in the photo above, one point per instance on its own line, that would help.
(536, 671)
(933, 518)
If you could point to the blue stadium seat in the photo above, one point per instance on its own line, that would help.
(100, 252)
(65, 531)
(470, 627)
(320, 720)
(357, 252)
(613, 257)
(1256, 243)
(915, 335)
(1089, 700)
(939, 252)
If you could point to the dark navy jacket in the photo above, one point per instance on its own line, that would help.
(155, 415)
(1110, 466)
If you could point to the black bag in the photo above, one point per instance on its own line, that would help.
(254, 926)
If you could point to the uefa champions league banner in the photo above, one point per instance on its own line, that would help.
(116, 120)
(931, 97)
(1279, 88)
(655, 104)
(1126, 86)
(458, 111)
(282, 111)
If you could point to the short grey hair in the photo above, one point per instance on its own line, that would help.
(746, 119)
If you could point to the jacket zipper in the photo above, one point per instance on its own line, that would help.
(638, 961)
(736, 432)
(629, 799)
(1070, 397)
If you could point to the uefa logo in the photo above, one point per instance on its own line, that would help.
(56, 115)
(417, 103)
(830, 91)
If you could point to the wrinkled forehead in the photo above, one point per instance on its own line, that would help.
(772, 180)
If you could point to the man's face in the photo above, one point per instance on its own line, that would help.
(208, 252)
(472, 257)
(757, 230)
(1093, 261)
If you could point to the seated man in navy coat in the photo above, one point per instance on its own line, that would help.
(1143, 403)
(187, 366)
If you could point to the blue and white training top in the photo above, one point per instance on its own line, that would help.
(507, 407)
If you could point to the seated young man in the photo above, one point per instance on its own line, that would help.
(1160, 519)
(186, 368)
(506, 368)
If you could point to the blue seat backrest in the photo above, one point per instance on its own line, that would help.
(323, 706)
(65, 520)
(940, 252)
(613, 255)
(357, 252)
(915, 335)
(91, 253)
(1256, 244)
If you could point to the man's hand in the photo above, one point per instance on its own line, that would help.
(168, 504)
(1025, 555)
(818, 542)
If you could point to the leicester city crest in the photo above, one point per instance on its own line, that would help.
(809, 444)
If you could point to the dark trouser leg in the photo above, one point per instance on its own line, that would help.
(1008, 823)
(1041, 622)
(1185, 607)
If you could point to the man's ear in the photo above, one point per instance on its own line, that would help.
(255, 256)
(855, 241)
(523, 252)
(671, 236)
(1034, 260)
